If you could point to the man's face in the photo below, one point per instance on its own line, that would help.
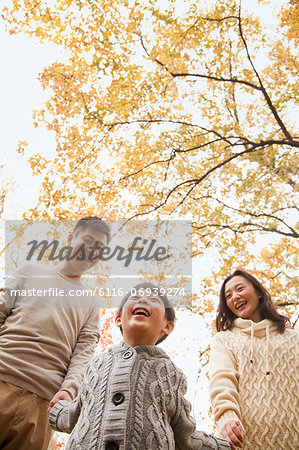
(86, 246)
(143, 319)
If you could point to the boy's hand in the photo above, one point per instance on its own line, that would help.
(233, 432)
(60, 395)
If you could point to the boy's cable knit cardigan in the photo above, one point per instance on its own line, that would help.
(132, 398)
(254, 379)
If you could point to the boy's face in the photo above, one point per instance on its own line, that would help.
(143, 319)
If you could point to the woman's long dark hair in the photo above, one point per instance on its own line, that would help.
(225, 317)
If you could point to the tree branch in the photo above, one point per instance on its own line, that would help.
(294, 324)
(287, 303)
(210, 19)
(262, 88)
(197, 75)
(292, 233)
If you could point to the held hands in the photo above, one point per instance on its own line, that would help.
(60, 395)
(233, 432)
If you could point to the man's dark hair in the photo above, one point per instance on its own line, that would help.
(169, 311)
(225, 317)
(94, 223)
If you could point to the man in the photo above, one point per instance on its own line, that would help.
(46, 340)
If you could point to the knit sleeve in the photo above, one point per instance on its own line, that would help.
(63, 415)
(184, 427)
(224, 384)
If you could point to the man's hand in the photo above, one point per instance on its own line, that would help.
(233, 432)
(60, 395)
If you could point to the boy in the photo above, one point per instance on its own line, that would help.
(132, 396)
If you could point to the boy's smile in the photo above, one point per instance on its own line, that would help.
(141, 312)
(143, 319)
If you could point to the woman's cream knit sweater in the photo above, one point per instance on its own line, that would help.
(254, 379)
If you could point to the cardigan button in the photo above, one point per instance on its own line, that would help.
(112, 445)
(118, 398)
(128, 354)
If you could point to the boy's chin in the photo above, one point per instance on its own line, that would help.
(139, 325)
(142, 320)
(139, 330)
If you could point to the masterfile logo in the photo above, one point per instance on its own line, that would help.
(156, 251)
(141, 249)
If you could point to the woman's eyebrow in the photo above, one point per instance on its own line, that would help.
(240, 283)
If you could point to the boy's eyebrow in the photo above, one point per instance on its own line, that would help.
(137, 295)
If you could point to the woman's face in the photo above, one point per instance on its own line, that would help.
(241, 298)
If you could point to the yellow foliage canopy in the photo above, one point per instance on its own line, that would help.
(175, 109)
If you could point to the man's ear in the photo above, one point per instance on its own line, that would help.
(168, 327)
(118, 321)
(69, 239)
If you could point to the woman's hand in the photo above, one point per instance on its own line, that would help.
(233, 432)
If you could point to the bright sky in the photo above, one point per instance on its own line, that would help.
(20, 93)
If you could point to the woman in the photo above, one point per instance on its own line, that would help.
(253, 373)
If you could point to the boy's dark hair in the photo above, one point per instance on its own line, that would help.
(169, 311)
(225, 317)
(95, 223)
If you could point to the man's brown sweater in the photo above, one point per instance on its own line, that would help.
(48, 331)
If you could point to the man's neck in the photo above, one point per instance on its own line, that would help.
(63, 270)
